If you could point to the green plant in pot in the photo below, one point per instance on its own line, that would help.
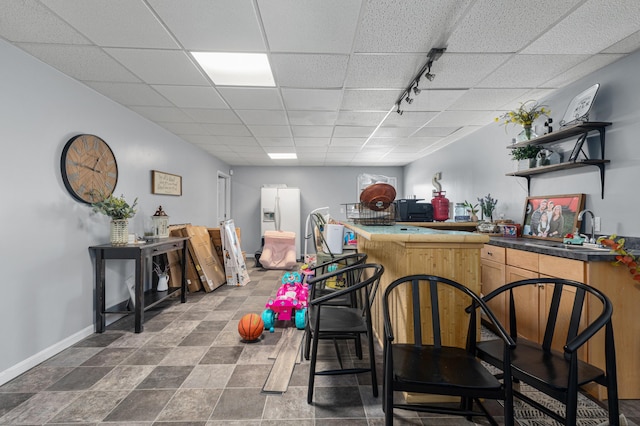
(119, 211)
(528, 152)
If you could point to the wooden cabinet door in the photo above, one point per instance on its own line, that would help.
(527, 301)
(492, 269)
(492, 276)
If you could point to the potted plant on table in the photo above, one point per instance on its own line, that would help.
(119, 211)
(473, 209)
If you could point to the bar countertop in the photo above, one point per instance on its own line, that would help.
(414, 234)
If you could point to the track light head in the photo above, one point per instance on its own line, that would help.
(429, 76)
(416, 90)
(399, 111)
(408, 99)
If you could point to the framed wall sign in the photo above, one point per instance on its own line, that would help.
(579, 107)
(165, 183)
(551, 217)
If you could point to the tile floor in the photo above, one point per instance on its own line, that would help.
(189, 367)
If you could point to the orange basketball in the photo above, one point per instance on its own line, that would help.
(250, 327)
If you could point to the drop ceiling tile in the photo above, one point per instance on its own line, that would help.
(462, 118)
(263, 117)
(247, 149)
(326, 26)
(203, 140)
(409, 149)
(501, 24)
(406, 26)
(227, 129)
(129, 94)
(369, 100)
(394, 132)
(252, 97)
(87, 63)
(411, 119)
(347, 141)
(312, 99)
(533, 94)
(627, 45)
(486, 99)
(433, 100)
(310, 118)
(309, 71)
(232, 141)
(184, 128)
(166, 114)
(441, 132)
(352, 131)
(360, 118)
(312, 131)
(311, 142)
(28, 21)
(383, 71)
(221, 25)
(271, 131)
(587, 67)
(192, 96)
(332, 149)
(123, 23)
(591, 28)
(344, 157)
(382, 141)
(312, 148)
(160, 66)
(217, 116)
(530, 70)
(461, 71)
(284, 141)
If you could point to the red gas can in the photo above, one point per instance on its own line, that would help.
(440, 207)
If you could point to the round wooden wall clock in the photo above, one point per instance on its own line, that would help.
(89, 168)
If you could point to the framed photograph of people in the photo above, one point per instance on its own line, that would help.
(551, 217)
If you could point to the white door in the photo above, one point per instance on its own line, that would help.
(224, 197)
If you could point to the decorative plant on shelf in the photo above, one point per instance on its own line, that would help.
(524, 116)
(487, 205)
(525, 152)
(473, 209)
(623, 256)
(116, 208)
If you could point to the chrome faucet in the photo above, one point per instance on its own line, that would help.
(592, 240)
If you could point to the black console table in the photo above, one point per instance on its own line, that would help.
(143, 254)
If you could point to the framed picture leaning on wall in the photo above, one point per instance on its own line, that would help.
(551, 217)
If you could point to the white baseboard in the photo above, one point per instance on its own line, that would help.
(16, 370)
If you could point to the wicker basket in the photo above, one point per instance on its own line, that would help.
(360, 214)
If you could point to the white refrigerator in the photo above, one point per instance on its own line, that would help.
(280, 211)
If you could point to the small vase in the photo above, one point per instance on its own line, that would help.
(163, 282)
(119, 232)
(526, 134)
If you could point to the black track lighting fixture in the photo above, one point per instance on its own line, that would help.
(416, 89)
(428, 74)
(433, 55)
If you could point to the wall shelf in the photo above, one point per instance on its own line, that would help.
(581, 130)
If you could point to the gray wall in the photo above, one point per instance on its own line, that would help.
(476, 165)
(319, 187)
(47, 272)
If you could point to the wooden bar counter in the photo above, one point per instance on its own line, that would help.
(405, 250)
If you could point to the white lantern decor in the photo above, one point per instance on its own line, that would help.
(160, 224)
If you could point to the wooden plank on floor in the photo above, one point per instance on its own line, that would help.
(278, 380)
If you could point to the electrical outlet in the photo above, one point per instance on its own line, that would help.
(596, 224)
(341, 209)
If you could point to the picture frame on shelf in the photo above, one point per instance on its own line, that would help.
(165, 183)
(551, 217)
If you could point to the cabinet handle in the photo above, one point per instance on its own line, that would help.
(490, 253)
(541, 285)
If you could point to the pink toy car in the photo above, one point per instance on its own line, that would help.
(291, 297)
